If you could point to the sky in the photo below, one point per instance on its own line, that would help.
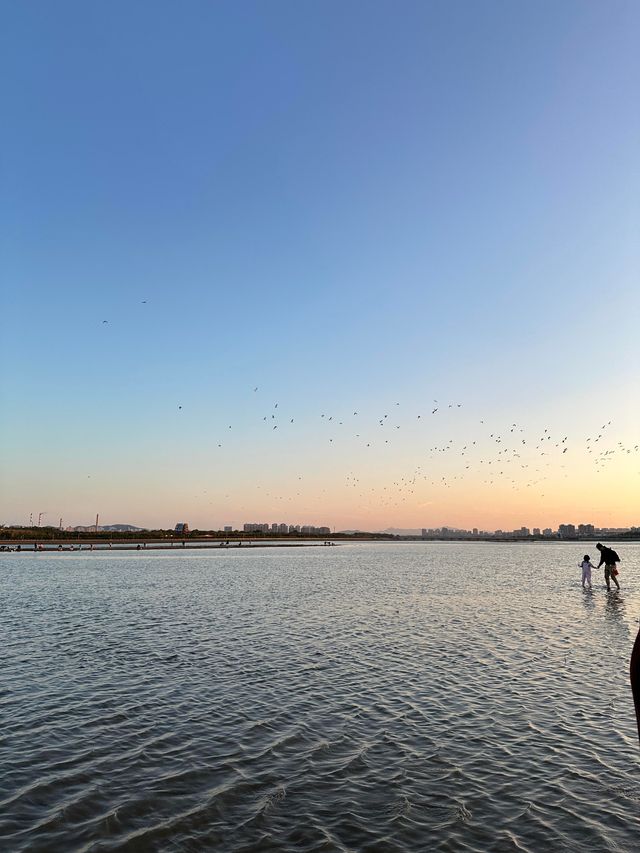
(227, 227)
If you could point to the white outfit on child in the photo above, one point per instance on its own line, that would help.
(586, 567)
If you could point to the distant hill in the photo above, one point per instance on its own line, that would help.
(373, 533)
(397, 531)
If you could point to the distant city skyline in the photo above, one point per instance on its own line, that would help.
(561, 531)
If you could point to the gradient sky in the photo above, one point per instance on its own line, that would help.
(348, 205)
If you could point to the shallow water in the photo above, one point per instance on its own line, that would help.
(402, 697)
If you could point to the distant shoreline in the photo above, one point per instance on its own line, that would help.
(66, 545)
(74, 546)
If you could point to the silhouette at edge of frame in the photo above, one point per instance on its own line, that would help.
(634, 672)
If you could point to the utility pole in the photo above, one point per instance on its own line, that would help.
(40, 514)
(60, 524)
(97, 517)
(30, 519)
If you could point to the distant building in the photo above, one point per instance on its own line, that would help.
(228, 528)
(547, 532)
(536, 531)
(566, 530)
(586, 530)
(253, 527)
(182, 528)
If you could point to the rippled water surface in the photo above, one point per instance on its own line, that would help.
(402, 697)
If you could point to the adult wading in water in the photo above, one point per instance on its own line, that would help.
(609, 557)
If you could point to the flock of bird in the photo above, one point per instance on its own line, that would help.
(512, 456)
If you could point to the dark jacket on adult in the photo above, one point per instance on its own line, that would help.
(608, 556)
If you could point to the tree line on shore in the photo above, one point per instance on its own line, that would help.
(48, 534)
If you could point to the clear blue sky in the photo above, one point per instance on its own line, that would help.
(344, 204)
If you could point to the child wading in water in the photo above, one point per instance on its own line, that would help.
(586, 567)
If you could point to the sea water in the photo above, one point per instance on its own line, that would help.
(370, 697)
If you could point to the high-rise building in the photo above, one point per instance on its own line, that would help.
(566, 530)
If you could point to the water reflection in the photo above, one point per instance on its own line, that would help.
(615, 621)
(588, 600)
(614, 609)
(426, 693)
